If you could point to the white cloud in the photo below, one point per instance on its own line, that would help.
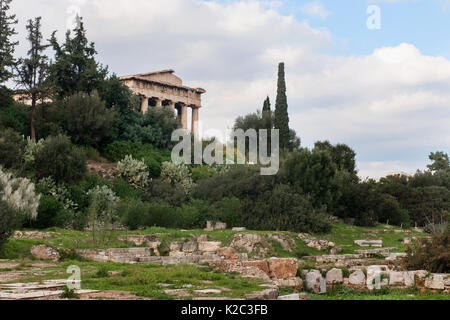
(315, 9)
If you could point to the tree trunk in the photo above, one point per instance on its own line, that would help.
(33, 115)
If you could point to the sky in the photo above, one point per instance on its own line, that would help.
(379, 83)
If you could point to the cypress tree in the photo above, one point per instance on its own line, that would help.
(267, 115)
(7, 30)
(281, 109)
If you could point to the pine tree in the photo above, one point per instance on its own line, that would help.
(75, 68)
(281, 109)
(7, 30)
(33, 70)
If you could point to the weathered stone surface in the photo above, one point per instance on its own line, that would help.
(31, 235)
(334, 276)
(357, 278)
(211, 225)
(228, 253)
(239, 229)
(375, 277)
(260, 264)
(435, 282)
(289, 297)
(369, 243)
(247, 270)
(190, 247)
(293, 283)
(396, 278)
(315, 243)
(409, 278)
(209, 246)
(373, 253)
(286, 242)
(395, 256)
(42, 252)
(303, 296)
(268, 294)
(207, 291)
(247, 241)
(282, 268)
(315, 281)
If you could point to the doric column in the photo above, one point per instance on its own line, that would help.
(144, 104)
(184, 116)
(195, 120)
(159, 103)
(172, 107)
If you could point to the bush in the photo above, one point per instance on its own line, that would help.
(87, 119)
(17, 117)
(133, 171)
(160, 190)
(59, 159)
(152, 157)
(431, 255)
(8, 222)
(52, 213)
(124, 190)
(202, 172)
(154, 128)
(12, 147)
(230, 212)
(177, 175)
(19, 195)
(134, 213)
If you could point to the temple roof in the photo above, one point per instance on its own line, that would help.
(164, 77)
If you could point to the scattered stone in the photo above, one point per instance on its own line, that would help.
(258, 264)
(409, 278)
(369, 243)
(207, 291)
(268, 294)
(396, 278)
(247, 241)
(209, 246)
(211, 225)
(283, 268)
(228, 253)
(42, 252)
(357, 278)
(293, 283)
(375, 277)
(289, 297)
(395, 256)
(334, 276)
(286, 242)
(303, 296)
(239, 229)
(31, 235)
(435, 282)
(315, 281)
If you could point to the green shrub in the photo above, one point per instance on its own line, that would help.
(17, 117)
(124, 190)
(202, 172)
(8, 222)
(152, 157)
(160, 190)
(87, 119)
(177, 175)
(51, 213)
(230, 212)
(59, 159)
(12, 146)
(134, 213)
(69, 294)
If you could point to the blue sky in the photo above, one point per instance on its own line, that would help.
(385, 93)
